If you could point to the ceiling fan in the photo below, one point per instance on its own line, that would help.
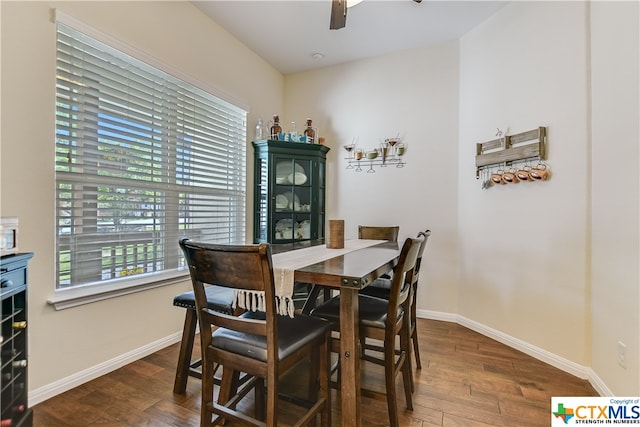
(339, 13)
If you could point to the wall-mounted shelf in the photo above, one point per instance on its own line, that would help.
(391, 153)
(505, 150)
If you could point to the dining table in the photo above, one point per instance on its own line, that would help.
(347, 271)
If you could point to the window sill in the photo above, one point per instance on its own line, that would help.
(73, 297)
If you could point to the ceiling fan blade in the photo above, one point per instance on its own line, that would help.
(338, 14)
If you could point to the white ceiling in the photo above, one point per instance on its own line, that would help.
(288, 33)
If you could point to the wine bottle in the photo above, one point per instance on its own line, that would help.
(7, 422)
(19, 364)
(310, 133)
(276, 129)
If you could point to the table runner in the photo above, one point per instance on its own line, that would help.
(284, 267)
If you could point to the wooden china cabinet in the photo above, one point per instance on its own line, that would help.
(289, 192)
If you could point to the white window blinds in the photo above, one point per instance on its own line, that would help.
(142, 158)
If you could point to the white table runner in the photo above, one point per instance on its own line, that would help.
(284, 267)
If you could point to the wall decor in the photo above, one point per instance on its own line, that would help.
(511, 156)
(390, 153)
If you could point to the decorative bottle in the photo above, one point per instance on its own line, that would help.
(259, 130)
(276, 130)
(310, 133)
(293, 132)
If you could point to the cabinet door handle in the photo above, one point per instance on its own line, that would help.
(6, 283)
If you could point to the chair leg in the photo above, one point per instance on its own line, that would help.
(414, 329)
(406, 347)
(312, 299)
(390, 384)
(407, 372)
(186, 350)
(314, 375)
(416, 347)
(324, 377)
(207, 393)
(260, 412)
(272, 402)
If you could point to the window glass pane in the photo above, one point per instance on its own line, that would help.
(142, 158)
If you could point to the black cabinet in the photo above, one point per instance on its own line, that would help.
(289, 191)
(13, 341)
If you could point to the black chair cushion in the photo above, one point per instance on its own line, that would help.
(373, 311)
(219, 298)
(379, 288)
(293, 334)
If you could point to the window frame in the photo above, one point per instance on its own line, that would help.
(97, 291)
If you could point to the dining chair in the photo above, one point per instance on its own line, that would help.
(380, 288)
(368, 232)
(262, 344)
(384, 320)
(374, 232)
(218, 299)
(378, 232)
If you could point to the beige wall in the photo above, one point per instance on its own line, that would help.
(413, 93)
(555, 264)
(523, 268)
(66, 343)
(615, 289)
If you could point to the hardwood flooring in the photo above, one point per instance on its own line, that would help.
(466, 380)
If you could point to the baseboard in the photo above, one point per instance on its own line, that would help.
(48, 391)
(599, 385)
(582, 372)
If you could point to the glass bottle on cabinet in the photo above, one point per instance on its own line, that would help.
(289, 192)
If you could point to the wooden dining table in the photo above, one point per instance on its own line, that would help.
(349, 273)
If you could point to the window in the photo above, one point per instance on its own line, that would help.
(142, 158)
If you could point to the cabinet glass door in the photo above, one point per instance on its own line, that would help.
(293, 199)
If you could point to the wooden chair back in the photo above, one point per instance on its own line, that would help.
(402, 278)
(247, 267)
(425, 236)
(415, 273)
(371, 232)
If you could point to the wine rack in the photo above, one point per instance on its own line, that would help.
(13, 342)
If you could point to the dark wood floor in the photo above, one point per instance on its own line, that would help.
(466, 380)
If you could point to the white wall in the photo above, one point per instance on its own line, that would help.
(65, 343)
(523, 267)
(413, 93)
(615, 289)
